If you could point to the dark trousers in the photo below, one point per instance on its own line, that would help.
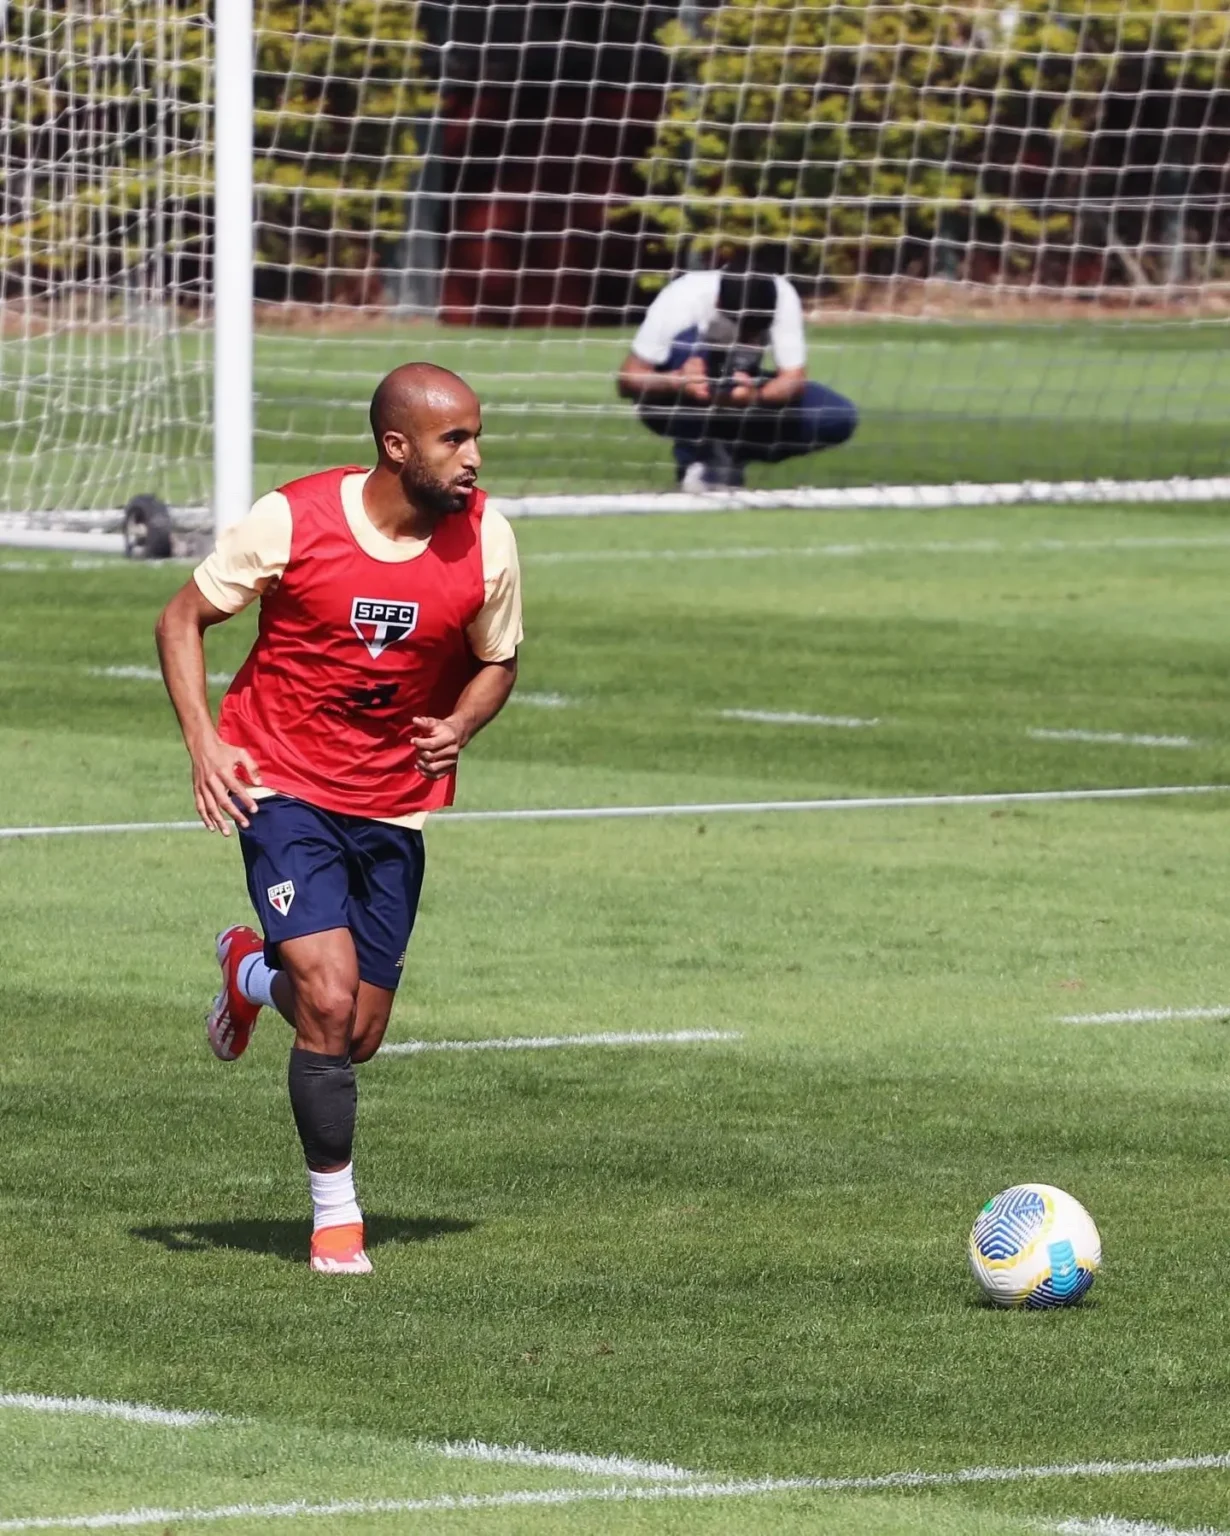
(819, 418)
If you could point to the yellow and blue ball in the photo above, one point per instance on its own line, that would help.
(1034, 1246)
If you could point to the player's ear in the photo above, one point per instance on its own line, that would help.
(396, 448)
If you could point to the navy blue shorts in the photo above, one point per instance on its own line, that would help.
(309, 870)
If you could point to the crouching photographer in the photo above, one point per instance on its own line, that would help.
(697, 372)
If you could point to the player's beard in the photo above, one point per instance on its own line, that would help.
(425, 490)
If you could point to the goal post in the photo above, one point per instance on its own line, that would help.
(233, 253)
(221, 221)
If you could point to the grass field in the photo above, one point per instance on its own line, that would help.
(939, 402)
(740, 1256)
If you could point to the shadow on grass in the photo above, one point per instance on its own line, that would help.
(289, 1239)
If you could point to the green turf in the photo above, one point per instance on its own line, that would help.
(744, 1257)
(939, 402)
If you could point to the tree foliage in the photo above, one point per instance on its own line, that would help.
(854, 130)
(108, 110)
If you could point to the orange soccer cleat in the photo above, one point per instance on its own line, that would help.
(339, 1250)
(230, 1020)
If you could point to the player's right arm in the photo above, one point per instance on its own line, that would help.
(220, 772)
(642, 374)
(639, 380)
(250, 556)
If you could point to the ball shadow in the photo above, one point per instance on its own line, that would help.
(289, 1239)
(1086, 1303)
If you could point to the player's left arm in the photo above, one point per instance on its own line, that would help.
(783, 388)
(439, 742)
(493, 637)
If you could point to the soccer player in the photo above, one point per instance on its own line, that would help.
(389, 623)
(696, 371)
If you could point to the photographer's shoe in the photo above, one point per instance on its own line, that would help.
(723, 470)
(694, 480)
(719, 471)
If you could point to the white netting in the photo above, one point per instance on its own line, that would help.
(1009, 223)
(103, 176)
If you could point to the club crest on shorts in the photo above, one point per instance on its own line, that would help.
(380, 623)
(281, 896)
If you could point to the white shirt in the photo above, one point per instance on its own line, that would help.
(693, 299)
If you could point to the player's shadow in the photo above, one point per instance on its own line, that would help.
(289, 1239)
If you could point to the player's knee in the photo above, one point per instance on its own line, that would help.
(369, 1027)
(364, 1046)
(330, 1006)
(834, 421)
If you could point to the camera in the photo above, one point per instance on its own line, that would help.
(729, 351)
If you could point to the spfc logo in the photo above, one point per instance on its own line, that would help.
(281, 896)
(380, 624)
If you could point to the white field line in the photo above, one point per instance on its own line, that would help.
(568, 1461)
(789, 717)
(138, 674)
(103, 826)
(754, 716)
(134, 1413)
(1112, 1525)
(649, 1493)
(872, 547)
(69, 534)
(87, 539)
(150, 674)
(852, 550)
(555, 1042)
(1145, 1015)
(1113, 738)
(844, 803)
(713, 808)
(69, 565)
(912, 498)
(452, 1450)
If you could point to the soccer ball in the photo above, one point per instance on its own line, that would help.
(1034, 1246)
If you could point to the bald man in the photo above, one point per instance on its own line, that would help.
(390, 615)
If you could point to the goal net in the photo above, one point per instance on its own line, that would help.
(1007, 224)
(104, 304)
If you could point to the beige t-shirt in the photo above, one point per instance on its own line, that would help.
(251, 555)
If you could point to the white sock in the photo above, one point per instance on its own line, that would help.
(333, 1198)
(255, 980)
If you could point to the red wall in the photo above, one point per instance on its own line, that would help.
(534, 173)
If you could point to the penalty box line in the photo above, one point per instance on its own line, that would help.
(619, 1493)
(518, 1455)
(657, 1480)
(703, 808)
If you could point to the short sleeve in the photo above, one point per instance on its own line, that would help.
(686, 302)
(496, 633)
(248, 557)
(788, 338)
